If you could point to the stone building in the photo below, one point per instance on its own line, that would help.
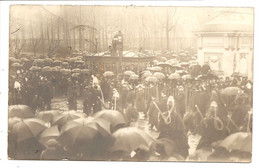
(226, 43)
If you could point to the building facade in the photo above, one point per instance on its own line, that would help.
(226, 44)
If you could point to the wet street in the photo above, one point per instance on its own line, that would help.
(61, 104)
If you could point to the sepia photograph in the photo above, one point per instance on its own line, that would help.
(130, 83)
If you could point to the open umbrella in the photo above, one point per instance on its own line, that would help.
(164, 64)
(155, 69)
(78, 134)
(114, 117)
(129, 73)
(159, 75)
(75, 75)
(35, 68)
(84, 71)
(231, 91)
(174, 76)
(177, 67)
(65, 71)
(46, 69)
(184, 64)
(76, 70)
(12, 122)
(238, 74)
(134, 77)
(79, 62)
(65, 117)
(108, 73)
(49, 133)
(28, 128)
(241, 141)
(16, 65)
(151, 79)
(146, 74)
(21, 111)
(47, 116)
(186, 77)
(129, 139)
(155, 62)
(65, 63)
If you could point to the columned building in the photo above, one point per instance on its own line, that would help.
(226, 44)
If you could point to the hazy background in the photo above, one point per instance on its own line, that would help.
(39, 28)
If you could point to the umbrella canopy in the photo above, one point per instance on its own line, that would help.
(75, 75)
(155, 62)
(231, 91)
(65, 71)
(186, 77)
(174, 76)
(108, 73)
(12, 122)
(184, 64)
(129, 139)
(84, 71)
(205, 69)
(155, 69)
(28, 128)
(129, 73)
(238, 74)
(35, 68)
(65, 63)
(134, 77)
(21, 111)
(16, 65)
(76, 70)
(80, 62)
(47, 134)
(114, 117)
(241, 141)
(162, 59)
(146, 74)
(164, 64)
(47, 116)
(46, 69)
(177, 67)
(159, 75)
(65, 117)
(151, 79)
(77, 134)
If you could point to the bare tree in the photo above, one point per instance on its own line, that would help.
(36, 42)
(16, 46)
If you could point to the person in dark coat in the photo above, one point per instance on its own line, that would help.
(139, 101)
(171, 126)
(45, 92)
(180, 102)
(87, 101)
(72, 97)
(96, 99)
(106, 89)
(208, 129)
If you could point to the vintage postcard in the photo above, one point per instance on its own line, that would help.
(130, 83)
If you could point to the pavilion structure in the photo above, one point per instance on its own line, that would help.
(226, 44)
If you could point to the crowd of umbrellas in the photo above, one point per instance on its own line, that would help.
(97, 137)
(71, 135)
(107, 134)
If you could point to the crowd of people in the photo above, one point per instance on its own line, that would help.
(177, 98)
